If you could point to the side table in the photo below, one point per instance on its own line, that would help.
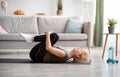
(106, 39)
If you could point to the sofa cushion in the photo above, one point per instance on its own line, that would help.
(74, 26)
(72, 36)
(52, 23)
(56, 24)
(17, 24)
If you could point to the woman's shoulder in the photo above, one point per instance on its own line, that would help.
(66, 50)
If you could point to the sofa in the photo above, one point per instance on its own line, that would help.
(37, 25)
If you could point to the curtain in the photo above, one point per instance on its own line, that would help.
(98, 29)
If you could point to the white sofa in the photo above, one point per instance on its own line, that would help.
(36, 25)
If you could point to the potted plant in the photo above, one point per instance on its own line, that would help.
(111, 22)
(59, 7)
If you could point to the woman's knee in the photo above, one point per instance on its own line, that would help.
(55, 35)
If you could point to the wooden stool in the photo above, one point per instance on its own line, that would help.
(106, 39)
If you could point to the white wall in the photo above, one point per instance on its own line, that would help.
(111, 10)
(49, 7)
(32, 7)
(72, 7)
(86, 10)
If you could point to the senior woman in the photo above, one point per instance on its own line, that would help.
(46, 51)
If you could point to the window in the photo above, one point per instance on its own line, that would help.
(111, 10)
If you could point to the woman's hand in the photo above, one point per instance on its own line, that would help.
(49, 32)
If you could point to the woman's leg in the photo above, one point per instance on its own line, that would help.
(33, 51)
(39, 56)
(42, 38)
(37, 53)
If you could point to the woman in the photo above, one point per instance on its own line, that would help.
(45, 51)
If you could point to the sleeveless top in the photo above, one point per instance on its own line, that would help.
(50, 58)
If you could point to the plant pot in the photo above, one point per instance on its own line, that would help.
(111, 29)
(59, 12)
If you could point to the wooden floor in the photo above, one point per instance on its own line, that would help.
(97, 68)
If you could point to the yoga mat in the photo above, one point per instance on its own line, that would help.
(6, 60)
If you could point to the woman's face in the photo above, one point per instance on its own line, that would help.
(79, 55)
(76, 52)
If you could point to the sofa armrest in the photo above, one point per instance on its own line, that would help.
(87, 28)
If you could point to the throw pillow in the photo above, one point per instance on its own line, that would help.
(2, 31)
(74, 26)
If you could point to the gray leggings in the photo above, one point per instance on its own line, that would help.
(38, 52)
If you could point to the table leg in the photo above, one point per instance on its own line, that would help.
(116, 44)
(105, 45)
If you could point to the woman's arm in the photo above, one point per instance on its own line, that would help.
(51, 49)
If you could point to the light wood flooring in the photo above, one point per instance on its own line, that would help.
(97, 68)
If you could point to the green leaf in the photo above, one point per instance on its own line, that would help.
(59, 4)
(112, 22)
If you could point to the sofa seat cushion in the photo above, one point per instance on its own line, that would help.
(12, 37)
(63, 36)
(72, 36)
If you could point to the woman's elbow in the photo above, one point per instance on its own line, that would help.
(48, 48)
